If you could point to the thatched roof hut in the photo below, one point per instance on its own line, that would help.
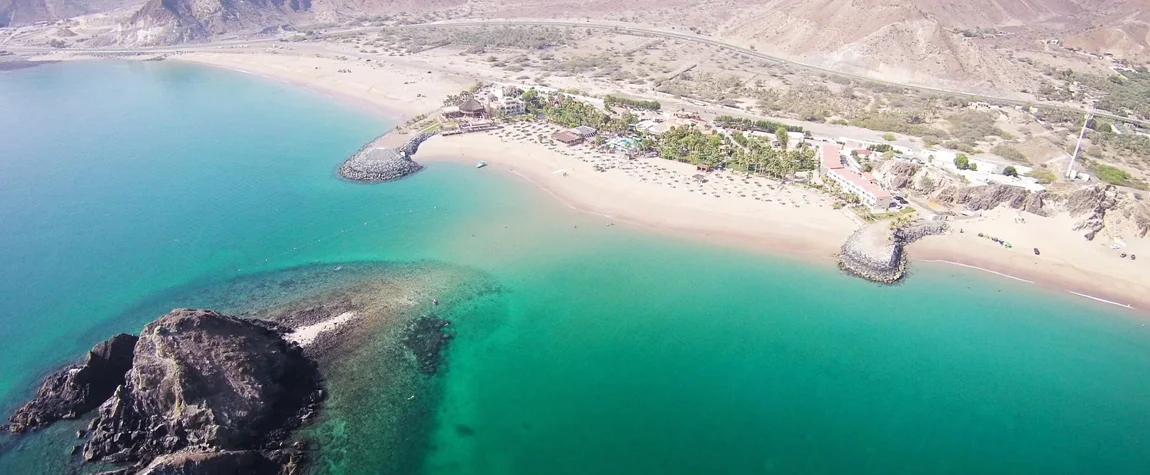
(472, 107)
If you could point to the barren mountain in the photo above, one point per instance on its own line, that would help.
(915, 40)
(177, 21)
(964, 43)
(26, 12)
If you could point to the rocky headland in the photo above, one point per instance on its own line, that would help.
(376, 162)
(200, 393)
(77, 389)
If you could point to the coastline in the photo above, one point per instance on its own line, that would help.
(811, 232)
(395, 92)
(812, 235)
(1059, 277)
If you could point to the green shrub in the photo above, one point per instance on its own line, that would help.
(1110, 174)
(1009, 153)
(962, 161)
(1043, 175)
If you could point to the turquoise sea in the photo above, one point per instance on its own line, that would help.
(127, 189)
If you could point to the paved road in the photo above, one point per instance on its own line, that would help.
(622, 28)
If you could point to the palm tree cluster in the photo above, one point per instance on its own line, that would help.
(761, 158)
(689, 144)
(569, 112)
(738, 152)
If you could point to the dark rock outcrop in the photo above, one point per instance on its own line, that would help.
(426, 338)
(898, 174)
(77, 389)
(206, 382)
(245, 462)
(1091, 204)
(988, 197)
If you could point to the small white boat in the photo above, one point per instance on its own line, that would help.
(481, 164)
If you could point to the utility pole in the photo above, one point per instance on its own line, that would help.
(1078, 147)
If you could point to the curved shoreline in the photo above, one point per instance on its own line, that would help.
(813, 246)
(786, 236)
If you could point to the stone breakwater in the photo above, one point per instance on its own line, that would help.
(877, 254)
(376, 162)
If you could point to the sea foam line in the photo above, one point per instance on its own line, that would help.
(1091, 297)
(981, 269)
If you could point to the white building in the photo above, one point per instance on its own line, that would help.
(854, 183)
(503, 100)
(795, 138)
(507, 106)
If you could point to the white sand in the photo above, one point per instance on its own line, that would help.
(402, 91)
(304, 336)
(1067, 261)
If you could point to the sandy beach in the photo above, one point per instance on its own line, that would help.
(1067, 260)
(398, 91)
(662, 195)
(656, 193)
(306, 335)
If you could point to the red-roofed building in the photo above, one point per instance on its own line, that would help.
(860, 185)
(831, 160)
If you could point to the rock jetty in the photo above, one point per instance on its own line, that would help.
(375, 162)
(202, 393)
(877, 254)
(77, 389)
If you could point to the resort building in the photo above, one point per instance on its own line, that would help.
(834, 171)
(507, 105)
(830, 160)
(451, 112)
(567, 137)
(584, 131)
(472, 108)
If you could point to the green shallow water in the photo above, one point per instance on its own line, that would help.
(130, 188)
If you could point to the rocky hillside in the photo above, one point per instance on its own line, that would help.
(27, 12)
(917, 40)
(161, 22)
(1099, 209)
(936, 42)
(177, 21)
